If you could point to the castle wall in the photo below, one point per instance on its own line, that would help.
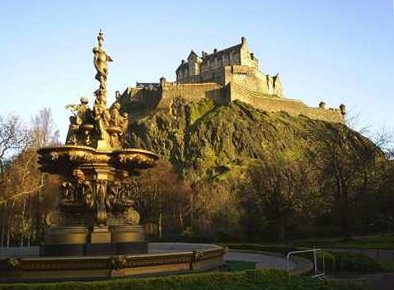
(139, 98)
(136, 98)
(272, 104)
(190, 92)
(246, 58)
(247, 77)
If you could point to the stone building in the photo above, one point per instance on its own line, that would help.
(224, 76)
(234, 64)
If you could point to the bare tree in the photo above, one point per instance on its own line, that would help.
(162, 198)
(21, 182)
(14, 137)
(346, 162)
(44, 130)
(276, 188)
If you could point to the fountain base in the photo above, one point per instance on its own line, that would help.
(79, 241)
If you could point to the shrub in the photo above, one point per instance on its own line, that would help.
(247, 280)
(329, 261)
(356, 263)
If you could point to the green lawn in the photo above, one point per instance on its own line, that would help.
(235, 266)
(383, 241)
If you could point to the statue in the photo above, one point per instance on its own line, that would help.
(101, 117)
(101, 210)
(82, 117)
(78, 191)
(81, 112)
(116, 117)
(98, 127)
(101, 59)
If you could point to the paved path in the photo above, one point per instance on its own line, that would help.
(268, 260)
(261, 260)
(19, 252)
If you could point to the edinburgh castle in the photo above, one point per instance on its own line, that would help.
(224, 76)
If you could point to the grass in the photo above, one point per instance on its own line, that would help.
(382, 241)
(236, 266)
(378, 241)
(387, 266)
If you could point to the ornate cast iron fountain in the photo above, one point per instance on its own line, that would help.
(95, 214)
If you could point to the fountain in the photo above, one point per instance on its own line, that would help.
(95, 215)
(95, 231)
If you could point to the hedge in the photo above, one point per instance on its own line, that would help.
(246, 280)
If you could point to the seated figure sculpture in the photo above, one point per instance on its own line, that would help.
(82, 116)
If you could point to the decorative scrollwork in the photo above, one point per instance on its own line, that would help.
(118, 262)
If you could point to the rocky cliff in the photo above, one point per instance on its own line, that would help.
(204, 140)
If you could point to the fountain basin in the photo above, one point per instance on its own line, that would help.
(162, 259)
(62, 160)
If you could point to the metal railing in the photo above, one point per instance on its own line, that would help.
(317, 273)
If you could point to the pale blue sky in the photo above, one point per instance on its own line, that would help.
(339, 51)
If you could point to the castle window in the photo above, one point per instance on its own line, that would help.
(224, 60)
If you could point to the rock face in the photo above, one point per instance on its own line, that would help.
(206, 140)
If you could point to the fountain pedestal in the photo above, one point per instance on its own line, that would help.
(64, 241)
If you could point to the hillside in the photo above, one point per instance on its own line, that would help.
(204, 140)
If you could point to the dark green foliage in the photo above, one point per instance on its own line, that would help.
(246, 280)
(329, 261)
(235, 266)
(347, 262)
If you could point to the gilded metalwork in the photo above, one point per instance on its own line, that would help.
(33, 269)
(97, 192)
(100, 127)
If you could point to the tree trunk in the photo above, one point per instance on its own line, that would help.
(3, 224)
(23, 220)
(181, 221)
(160, 225)
(192, 209)
(160, 222)
(281, 229)
(344, 214)
(9, 224)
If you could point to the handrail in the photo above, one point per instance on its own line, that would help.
(316, 270)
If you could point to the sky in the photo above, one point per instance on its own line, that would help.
(337, 51)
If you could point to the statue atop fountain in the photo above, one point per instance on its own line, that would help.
(100, 127)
